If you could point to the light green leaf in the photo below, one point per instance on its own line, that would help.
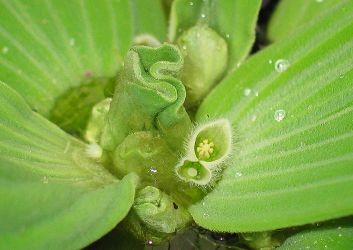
(49, 46)
(290, 15)
(294, 133)
(335, 236)
(234, 20)
(52, 196)
(149, 18)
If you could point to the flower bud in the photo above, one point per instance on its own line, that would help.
(155, 216)
(205, 61)
(96, 121)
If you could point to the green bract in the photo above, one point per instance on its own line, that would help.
(113, 118)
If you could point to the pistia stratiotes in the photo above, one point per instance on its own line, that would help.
(113, 118)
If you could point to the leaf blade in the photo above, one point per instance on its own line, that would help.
(289, 16)
(278, 165)
(47, 184)
(337, 235)
(51, 46)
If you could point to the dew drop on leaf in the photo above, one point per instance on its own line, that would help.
(191, 3)
(247, 92)
(45, 180)
(5, 50)
(72, 42)
(279, 115)
(153, 171)
(203, 15)
(238, 174)
(281, 65)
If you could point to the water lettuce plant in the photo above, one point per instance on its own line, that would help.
(151, 117)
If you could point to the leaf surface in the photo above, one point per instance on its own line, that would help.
(234, 20)
(337, 235)
(49, 46)
(52, 196)
(290, 15)
(293, 158)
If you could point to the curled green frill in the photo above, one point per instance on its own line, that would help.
(148, 97)
(155, 216)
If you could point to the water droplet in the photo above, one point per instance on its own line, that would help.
(153, 171)
(280, 114)
(319, 1)
(72, 42)
(191, 3)
(341, 76)
(339, 235)
(5, 50)
(238, 174)
(339, 228)
(257, 93)
(206, 215)
(203, 15)
(281, 65)
(270, 61)
(227, 35)
(247, 92)
(325, 246)
(45, 180)
(184, 47)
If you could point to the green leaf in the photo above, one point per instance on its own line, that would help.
(337, 235)
(50, 46)
(234, 20)
(52, 195)
(292, 167)
(149, 18)
(291, 15)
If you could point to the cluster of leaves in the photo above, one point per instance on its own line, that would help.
(291, 105)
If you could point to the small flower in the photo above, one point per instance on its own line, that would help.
(205, 148)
